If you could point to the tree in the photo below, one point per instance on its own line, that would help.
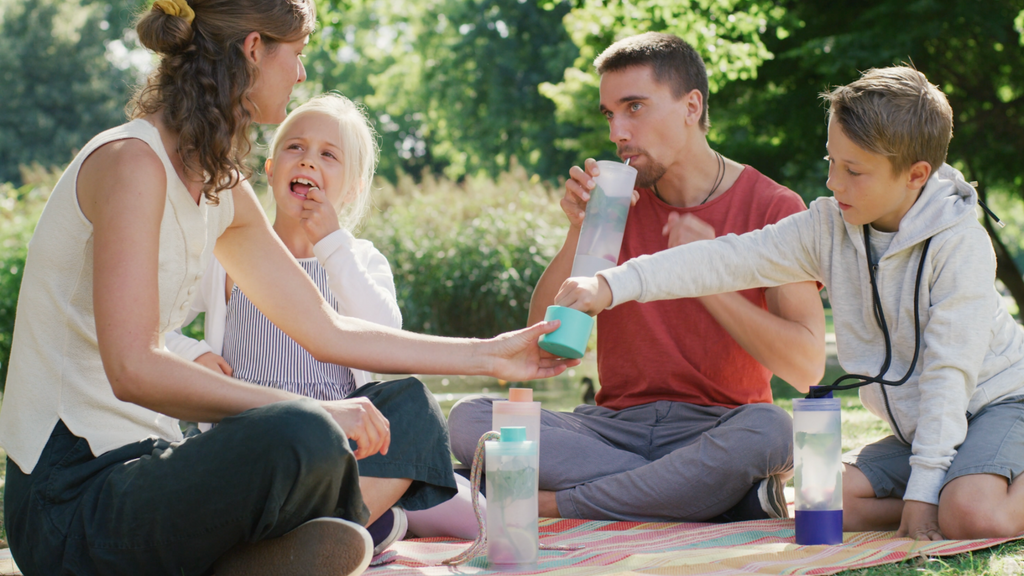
(777, 123)
(452, 84)
(59, 85)
(727, 33)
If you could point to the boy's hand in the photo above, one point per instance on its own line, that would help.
(214, 362)
(318, 217)
(920, 521)
(685, 228)
(577, 191)
(590, 295)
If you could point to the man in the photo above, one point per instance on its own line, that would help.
(684, 428)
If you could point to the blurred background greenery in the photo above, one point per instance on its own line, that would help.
(483, 105)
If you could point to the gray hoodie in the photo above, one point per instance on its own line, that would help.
(972, 351)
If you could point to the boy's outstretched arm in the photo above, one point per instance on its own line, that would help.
(788, 338)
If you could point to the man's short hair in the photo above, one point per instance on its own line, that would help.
(897, 113)
(674, 62)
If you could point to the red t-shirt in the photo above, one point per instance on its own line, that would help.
(674, 349)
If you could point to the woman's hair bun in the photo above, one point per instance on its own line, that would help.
(163, 33)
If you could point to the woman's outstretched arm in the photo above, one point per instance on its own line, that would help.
(262, 267)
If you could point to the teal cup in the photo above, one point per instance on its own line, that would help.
(570, 340)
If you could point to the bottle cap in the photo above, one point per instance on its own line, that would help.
(513, 434)
(520, 394)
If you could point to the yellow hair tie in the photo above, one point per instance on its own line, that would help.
(178, 8)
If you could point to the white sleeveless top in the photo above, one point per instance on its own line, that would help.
(55, 369)
(260, 353)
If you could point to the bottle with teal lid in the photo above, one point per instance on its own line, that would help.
(512, 462)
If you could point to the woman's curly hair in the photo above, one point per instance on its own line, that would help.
(204, 79)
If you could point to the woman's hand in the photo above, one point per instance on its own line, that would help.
(590, 295)
(318, 217)
(362, 422)
(518, 357)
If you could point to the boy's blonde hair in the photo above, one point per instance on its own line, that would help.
(897, 113)
(359, 152)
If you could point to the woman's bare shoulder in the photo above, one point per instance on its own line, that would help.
(122, 170)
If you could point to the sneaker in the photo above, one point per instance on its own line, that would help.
(764, 501)
(388, 529)
(319, 547)
(771, 494)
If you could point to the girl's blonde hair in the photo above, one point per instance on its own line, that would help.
(359, 152)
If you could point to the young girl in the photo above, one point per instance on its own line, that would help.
(320, 169)
(99, 480)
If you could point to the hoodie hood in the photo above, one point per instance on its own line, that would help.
(945, 201)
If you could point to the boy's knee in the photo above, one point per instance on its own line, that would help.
(468, 419)
(965, 516)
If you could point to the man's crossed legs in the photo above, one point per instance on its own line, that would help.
(663, 461)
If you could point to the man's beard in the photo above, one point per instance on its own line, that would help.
(648, 175)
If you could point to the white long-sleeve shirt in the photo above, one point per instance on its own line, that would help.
(359, 276)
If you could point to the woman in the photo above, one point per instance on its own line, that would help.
(98, 481)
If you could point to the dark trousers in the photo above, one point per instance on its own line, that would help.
(154, 507)
(420, 448)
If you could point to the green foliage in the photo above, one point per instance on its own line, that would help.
(19, 211)
(467, 256)
(60, 87)
(777, 123)
(451, 84)
(727, 33)
(1019, 25)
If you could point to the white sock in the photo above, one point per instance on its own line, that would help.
(453, 518)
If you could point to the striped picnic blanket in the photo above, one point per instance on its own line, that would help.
(742, 548)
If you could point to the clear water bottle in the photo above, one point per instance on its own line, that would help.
(598, 249)
(818, 478)
(605, 220)
(512, 535)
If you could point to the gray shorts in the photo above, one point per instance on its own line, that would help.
(994, 445)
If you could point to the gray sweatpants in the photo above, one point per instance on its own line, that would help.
(663, 461)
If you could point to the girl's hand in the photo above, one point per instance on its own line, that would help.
(518, 357)
(214, 362)
(362, 422)
(318, 217)
(590, 295)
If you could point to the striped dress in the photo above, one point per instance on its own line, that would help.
(259, 352)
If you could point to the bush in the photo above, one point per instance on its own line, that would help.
(19, 211)
(466, 256)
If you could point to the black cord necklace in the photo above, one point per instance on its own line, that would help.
(718, 177)
(718, 180)
(821, 391)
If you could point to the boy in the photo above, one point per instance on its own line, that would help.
(905, 261)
